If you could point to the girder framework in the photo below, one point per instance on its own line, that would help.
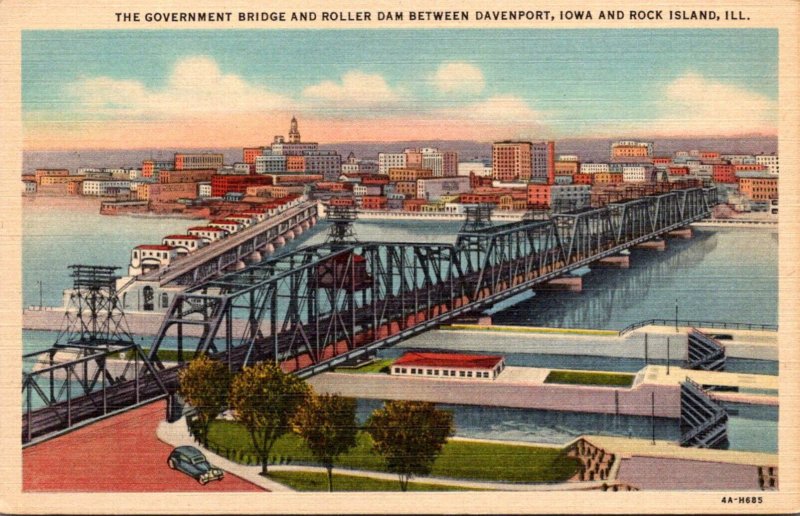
(322, 305)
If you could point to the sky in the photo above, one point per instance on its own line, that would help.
(230, 88)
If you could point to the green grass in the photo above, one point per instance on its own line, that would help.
(590, 378)
(313, 481)
(378, 366)
(459, 459)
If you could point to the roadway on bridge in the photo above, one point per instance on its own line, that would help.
(121, 453)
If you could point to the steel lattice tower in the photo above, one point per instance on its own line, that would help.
(478, 217)
(341, 231)
(94, 315)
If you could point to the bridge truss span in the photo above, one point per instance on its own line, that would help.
(323, 305)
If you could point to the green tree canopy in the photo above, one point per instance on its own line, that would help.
(328, 425)
(409, 435)
(264, 399)
(205, 383)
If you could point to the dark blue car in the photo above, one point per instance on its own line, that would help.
(191, 461)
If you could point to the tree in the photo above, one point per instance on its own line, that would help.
(205, 383)
(328, 425)
(263, 399)
(409, 435)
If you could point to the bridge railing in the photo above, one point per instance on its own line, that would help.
(726, 325)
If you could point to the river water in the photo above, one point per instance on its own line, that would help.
(722, 274)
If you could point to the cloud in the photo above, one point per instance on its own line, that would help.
(500, 108)
(195, 87)
(697, 105)
(459, 78)
(355, 89)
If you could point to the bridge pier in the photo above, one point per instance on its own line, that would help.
(289, 235)
(255, 257)
(653, 245)
(684, 233)
(305, 225)
(269, 249)
(568, 283)
(621, 261)
(279, 242)
(239, 265)
(298, 230)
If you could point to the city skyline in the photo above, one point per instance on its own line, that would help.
(96, 89)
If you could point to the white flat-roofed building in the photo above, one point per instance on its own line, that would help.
(149, 257)
(770, 161)
(432, 189)
(479, 168)
(101, 187)
(228, 225)
(29, 187)
(204, 189)
(208, 233)
(635, 174)
(387, 160)
(455, 366)
(244, 220)
(185, 244)
(270, 164)
(594, 168)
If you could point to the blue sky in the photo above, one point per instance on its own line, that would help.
(381, 84)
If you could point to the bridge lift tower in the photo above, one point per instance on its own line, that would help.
(94, 352)
(341, 231)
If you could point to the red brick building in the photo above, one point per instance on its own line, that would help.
(723, 173)
(448, 365)
(223, 184)
(374, 202)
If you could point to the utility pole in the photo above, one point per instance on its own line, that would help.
(40, 294)
(676, 315)
(653, 415)
(668, 355)
(645, 350)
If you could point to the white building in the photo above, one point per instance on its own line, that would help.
(100, 187)
(594, 168)
(576, 196)
(204, 189)
(739, 159)
(448, 365)
(387, 160)
(635, 174)
(147, 257)
(770, 161)
(29, 187)
(270, 163)
(479, 168)
(432, 189)
(184, 244)
(208, 233)
(362, 190)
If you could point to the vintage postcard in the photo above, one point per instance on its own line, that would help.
(369, 257)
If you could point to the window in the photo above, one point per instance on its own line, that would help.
(469, 374)
(164, 300)
(403, 370)
(461, 373)
(428, 371)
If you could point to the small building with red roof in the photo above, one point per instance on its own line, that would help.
(208, 233)
(231, 226)
(448, 365)
(148, 257)
(185, 244)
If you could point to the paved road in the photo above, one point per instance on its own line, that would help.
(121, 453)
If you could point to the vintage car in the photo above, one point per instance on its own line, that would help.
(191, 461)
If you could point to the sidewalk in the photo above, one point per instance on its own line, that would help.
(177, 434)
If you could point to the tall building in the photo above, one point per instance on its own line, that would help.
(511, 161)
(543, 156)
(294, 133)
(387, 160)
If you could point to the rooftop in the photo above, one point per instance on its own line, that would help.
(416, 358)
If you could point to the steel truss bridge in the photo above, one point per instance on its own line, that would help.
(320, 306)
